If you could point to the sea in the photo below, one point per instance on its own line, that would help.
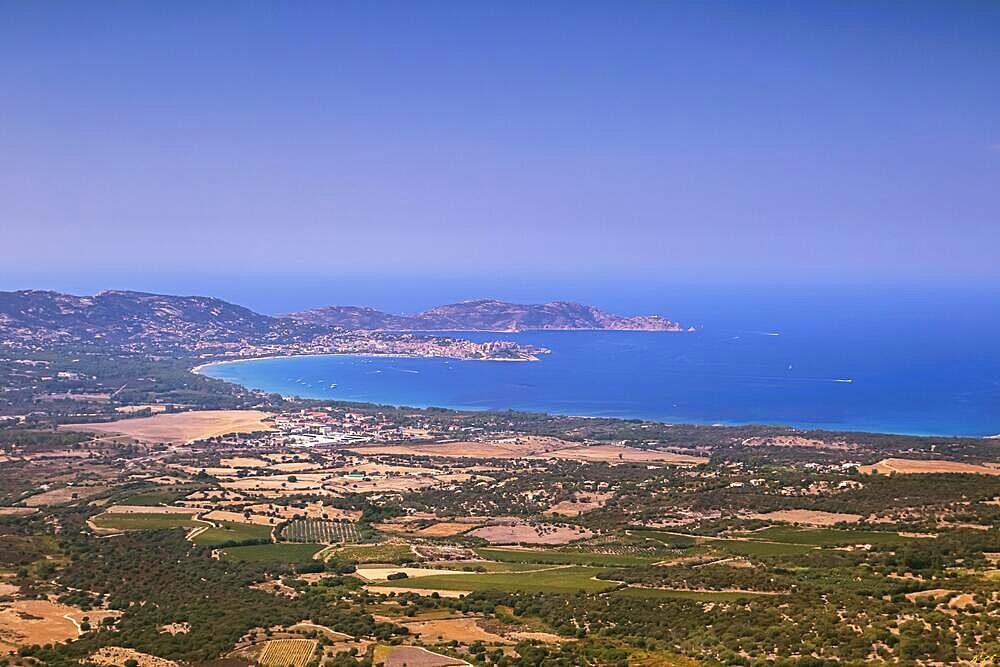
(921, 362)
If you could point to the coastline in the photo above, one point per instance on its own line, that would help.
(670, 420)
(223, 362)
(627, 376)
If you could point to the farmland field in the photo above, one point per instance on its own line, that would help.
(549, 580)
(670, 540)
(755, 548)
(564, 557)
(827, 537)
(145, 521)
(288, 553)
(488, 566)
(320, 531)
(232, 532)
(373, 553)
(287, 652)
(412, 656)
(182, 426)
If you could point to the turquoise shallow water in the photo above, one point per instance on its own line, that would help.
(895, 374)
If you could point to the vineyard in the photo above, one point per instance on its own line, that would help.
(287, 652)
(320, 531)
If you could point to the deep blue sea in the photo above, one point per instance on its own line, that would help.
(900, 362)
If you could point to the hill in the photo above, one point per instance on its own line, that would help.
(208, 328)
(486, 315)
(121, 317)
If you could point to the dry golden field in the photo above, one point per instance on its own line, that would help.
(182, 426)
(809, 517)
(459, 629)
(918, 466)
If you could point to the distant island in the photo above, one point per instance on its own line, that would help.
(206, 329)
(486, 315)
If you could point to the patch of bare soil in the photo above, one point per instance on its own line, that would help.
(809, 517)
(465, 630)
(64, 495)
(415, 656)
(580, 504)
(617, 453)
(312, 510)
(797, 441)
(176, 628)
(116, 656)
(27, 622)
(525, 533)
(444, 529)
(154, 408)
(922, 466)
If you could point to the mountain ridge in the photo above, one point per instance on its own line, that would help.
(491, 315)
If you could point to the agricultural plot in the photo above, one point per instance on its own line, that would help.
(320, 531)
(413, 656)
(527, 533)
(557, 579)
(145, 521)
(669, 540)
(441, 631)
(756, 548)
(287, 652)
(285, 553)
(808, 517)
(182, 426)
(487, 566)
(828, 537)
(231, 532)
(553, 557)
(65, 495)
(373, 553)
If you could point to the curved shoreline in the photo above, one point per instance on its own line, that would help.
(801, 426)
(223, 362)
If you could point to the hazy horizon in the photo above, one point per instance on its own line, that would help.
(711, 143)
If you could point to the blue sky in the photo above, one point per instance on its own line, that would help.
(156, 145)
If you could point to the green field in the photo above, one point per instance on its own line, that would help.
(557, 580)
(667, 539)
(565, 557)
(143, 521)
(827, 537)
(755, 548)
(231, 532)
(699, 596)
(286, 553)
(373, 553)
(489, 566)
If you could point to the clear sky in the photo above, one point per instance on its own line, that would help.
(848, 141)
